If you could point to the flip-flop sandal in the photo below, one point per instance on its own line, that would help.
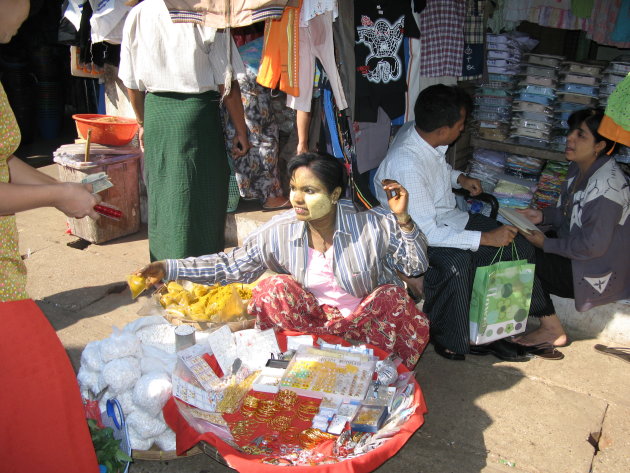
(546, 351)
(621, 353)
(515, 342)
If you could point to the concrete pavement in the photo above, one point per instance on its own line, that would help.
(569, 416)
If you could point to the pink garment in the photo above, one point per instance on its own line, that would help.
(316, 41)
(321, 282)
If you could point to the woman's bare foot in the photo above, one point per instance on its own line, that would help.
(550, 332)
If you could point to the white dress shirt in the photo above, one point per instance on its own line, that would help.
(158, 55)
(424, 172)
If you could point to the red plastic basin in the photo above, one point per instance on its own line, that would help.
(106, 129)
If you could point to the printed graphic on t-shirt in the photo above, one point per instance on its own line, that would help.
(383, 39)
(599, 283)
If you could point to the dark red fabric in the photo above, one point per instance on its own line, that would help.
(387, 317)
(43, 426)
(187, 437)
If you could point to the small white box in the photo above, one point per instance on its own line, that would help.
(268, 381)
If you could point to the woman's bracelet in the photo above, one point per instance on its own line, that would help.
(404, 220)
(405, 224)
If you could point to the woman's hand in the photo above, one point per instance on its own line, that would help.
(76, 200)
(535, 238)
(240, 145)
(533, 215)
(154, 273)
(397, 198)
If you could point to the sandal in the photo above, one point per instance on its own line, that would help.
(546, 351)
(621, 353)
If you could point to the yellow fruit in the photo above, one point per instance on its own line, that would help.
(137, 284)
(199, 290)
(174, 287)
(167, 299)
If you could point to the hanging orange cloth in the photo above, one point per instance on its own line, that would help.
(280, 56)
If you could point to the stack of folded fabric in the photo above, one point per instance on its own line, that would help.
(532, 117)
(579, 85)
(551, 179)
(614, 73)
(487, 166)
(525, 167)
(512, 195)
(493, 99)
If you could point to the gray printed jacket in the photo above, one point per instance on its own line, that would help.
(599, 233)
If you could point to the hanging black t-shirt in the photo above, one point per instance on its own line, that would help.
(379, 56)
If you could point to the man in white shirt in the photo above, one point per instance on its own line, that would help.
(458, 242)
(174, 70)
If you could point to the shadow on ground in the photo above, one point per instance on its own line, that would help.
(67, 308)
(451, 400)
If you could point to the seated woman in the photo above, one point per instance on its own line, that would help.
(588, 258)
(336, 266)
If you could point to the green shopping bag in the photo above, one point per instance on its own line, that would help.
(501, 295)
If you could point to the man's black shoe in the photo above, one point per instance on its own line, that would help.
(501, 349)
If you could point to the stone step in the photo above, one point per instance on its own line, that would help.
(247, 218)
(610, 323)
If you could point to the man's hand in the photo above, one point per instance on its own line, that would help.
(397, 198)
(471, 184)
(535, 238)
(501, 236)
(141, 137)
(533, 215)
(154, 272)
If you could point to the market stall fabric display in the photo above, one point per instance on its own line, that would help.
(494, 97)
(532, 123)
(549, 184)
(487, 166)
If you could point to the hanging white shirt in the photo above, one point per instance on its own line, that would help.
(424, 172)
(158, 55)
(311, 8)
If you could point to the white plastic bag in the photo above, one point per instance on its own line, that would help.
(152, 391)
(120, 375)
(120, 344)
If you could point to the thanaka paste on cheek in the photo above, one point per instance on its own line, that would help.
(318, 205)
